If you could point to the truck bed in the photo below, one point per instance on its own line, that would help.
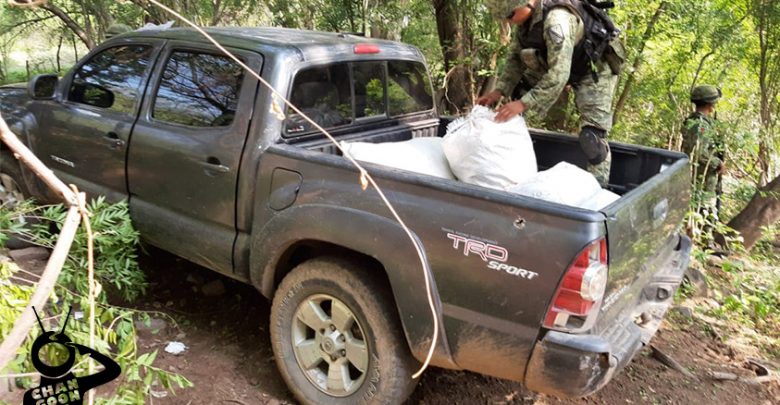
(632, 165)
(540, 236)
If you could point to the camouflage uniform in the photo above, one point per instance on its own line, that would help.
(705, 147)
(539, 82)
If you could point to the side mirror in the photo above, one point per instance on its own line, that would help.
(43, 87)
(91, 94)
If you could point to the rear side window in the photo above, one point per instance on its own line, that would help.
(347, 93)
(112, 78)
(198, 90)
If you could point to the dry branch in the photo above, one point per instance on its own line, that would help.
(30, 160)
(25, 322)
(671, 363)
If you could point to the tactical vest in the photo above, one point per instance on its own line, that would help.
(599, 30)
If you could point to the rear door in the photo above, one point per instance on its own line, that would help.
(184, 159)
(83, 135)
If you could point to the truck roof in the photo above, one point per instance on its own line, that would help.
(310, 45)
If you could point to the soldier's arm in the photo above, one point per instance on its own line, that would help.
(560, 35)
(513, 68)
(689, 132)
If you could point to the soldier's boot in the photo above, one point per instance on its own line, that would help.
(596, 149)
(601, 170)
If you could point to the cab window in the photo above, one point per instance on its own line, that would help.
(344, 94)
(112, 79)
(198, 90)
(409, 88)
(324, 94)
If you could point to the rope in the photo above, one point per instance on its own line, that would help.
(365, 178)
(90, 279)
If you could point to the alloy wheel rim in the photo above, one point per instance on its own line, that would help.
(329, 345)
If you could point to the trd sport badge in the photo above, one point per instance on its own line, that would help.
(59, 386)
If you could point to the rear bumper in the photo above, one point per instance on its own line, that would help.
(568, 365)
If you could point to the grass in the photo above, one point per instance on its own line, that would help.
(743, 305)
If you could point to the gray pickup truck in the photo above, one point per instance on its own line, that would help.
(556, 297)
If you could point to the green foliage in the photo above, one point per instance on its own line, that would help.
(751, 297)
(12, 219)
(115, 266)
(115, 248)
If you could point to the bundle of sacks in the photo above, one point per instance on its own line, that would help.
(477, 150)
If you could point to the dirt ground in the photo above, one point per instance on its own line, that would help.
(229, 357)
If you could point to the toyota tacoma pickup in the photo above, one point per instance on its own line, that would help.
(556, 297)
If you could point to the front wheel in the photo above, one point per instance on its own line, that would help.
(12, 189)
(337, 338)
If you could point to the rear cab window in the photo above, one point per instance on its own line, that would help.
(345, 94)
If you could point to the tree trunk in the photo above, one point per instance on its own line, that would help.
(70, 23)
(457, 87)
(505, 36)
(762, 210)
(59, 50)
(152, 13)
(75, 49)
(638, 61)
(767, 26)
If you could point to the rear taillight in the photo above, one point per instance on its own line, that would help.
(579, 296)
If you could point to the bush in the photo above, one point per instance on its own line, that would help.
(116, 266)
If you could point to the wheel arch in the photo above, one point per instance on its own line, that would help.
(376, 242)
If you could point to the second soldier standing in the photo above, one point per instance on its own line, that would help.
(555, 43)
(706, 148)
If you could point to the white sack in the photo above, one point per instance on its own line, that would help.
(601, 199)
(483, 152)
(564, 184)
(420, 155)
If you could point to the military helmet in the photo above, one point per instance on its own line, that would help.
(502, 9)
(117, 29)
(705, 94)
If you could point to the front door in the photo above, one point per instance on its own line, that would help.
(83, 135)
(184, 159)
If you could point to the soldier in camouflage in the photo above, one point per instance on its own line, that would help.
(546, 54)
(704, 144)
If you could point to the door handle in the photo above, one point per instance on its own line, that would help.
(213, 165)
(113, 141)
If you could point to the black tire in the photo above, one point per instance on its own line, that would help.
(11, 175)
(387, 376)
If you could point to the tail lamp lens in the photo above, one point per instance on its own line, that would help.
(582, 286)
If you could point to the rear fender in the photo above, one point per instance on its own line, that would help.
(368, 234)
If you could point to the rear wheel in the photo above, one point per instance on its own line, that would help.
(337, 337)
